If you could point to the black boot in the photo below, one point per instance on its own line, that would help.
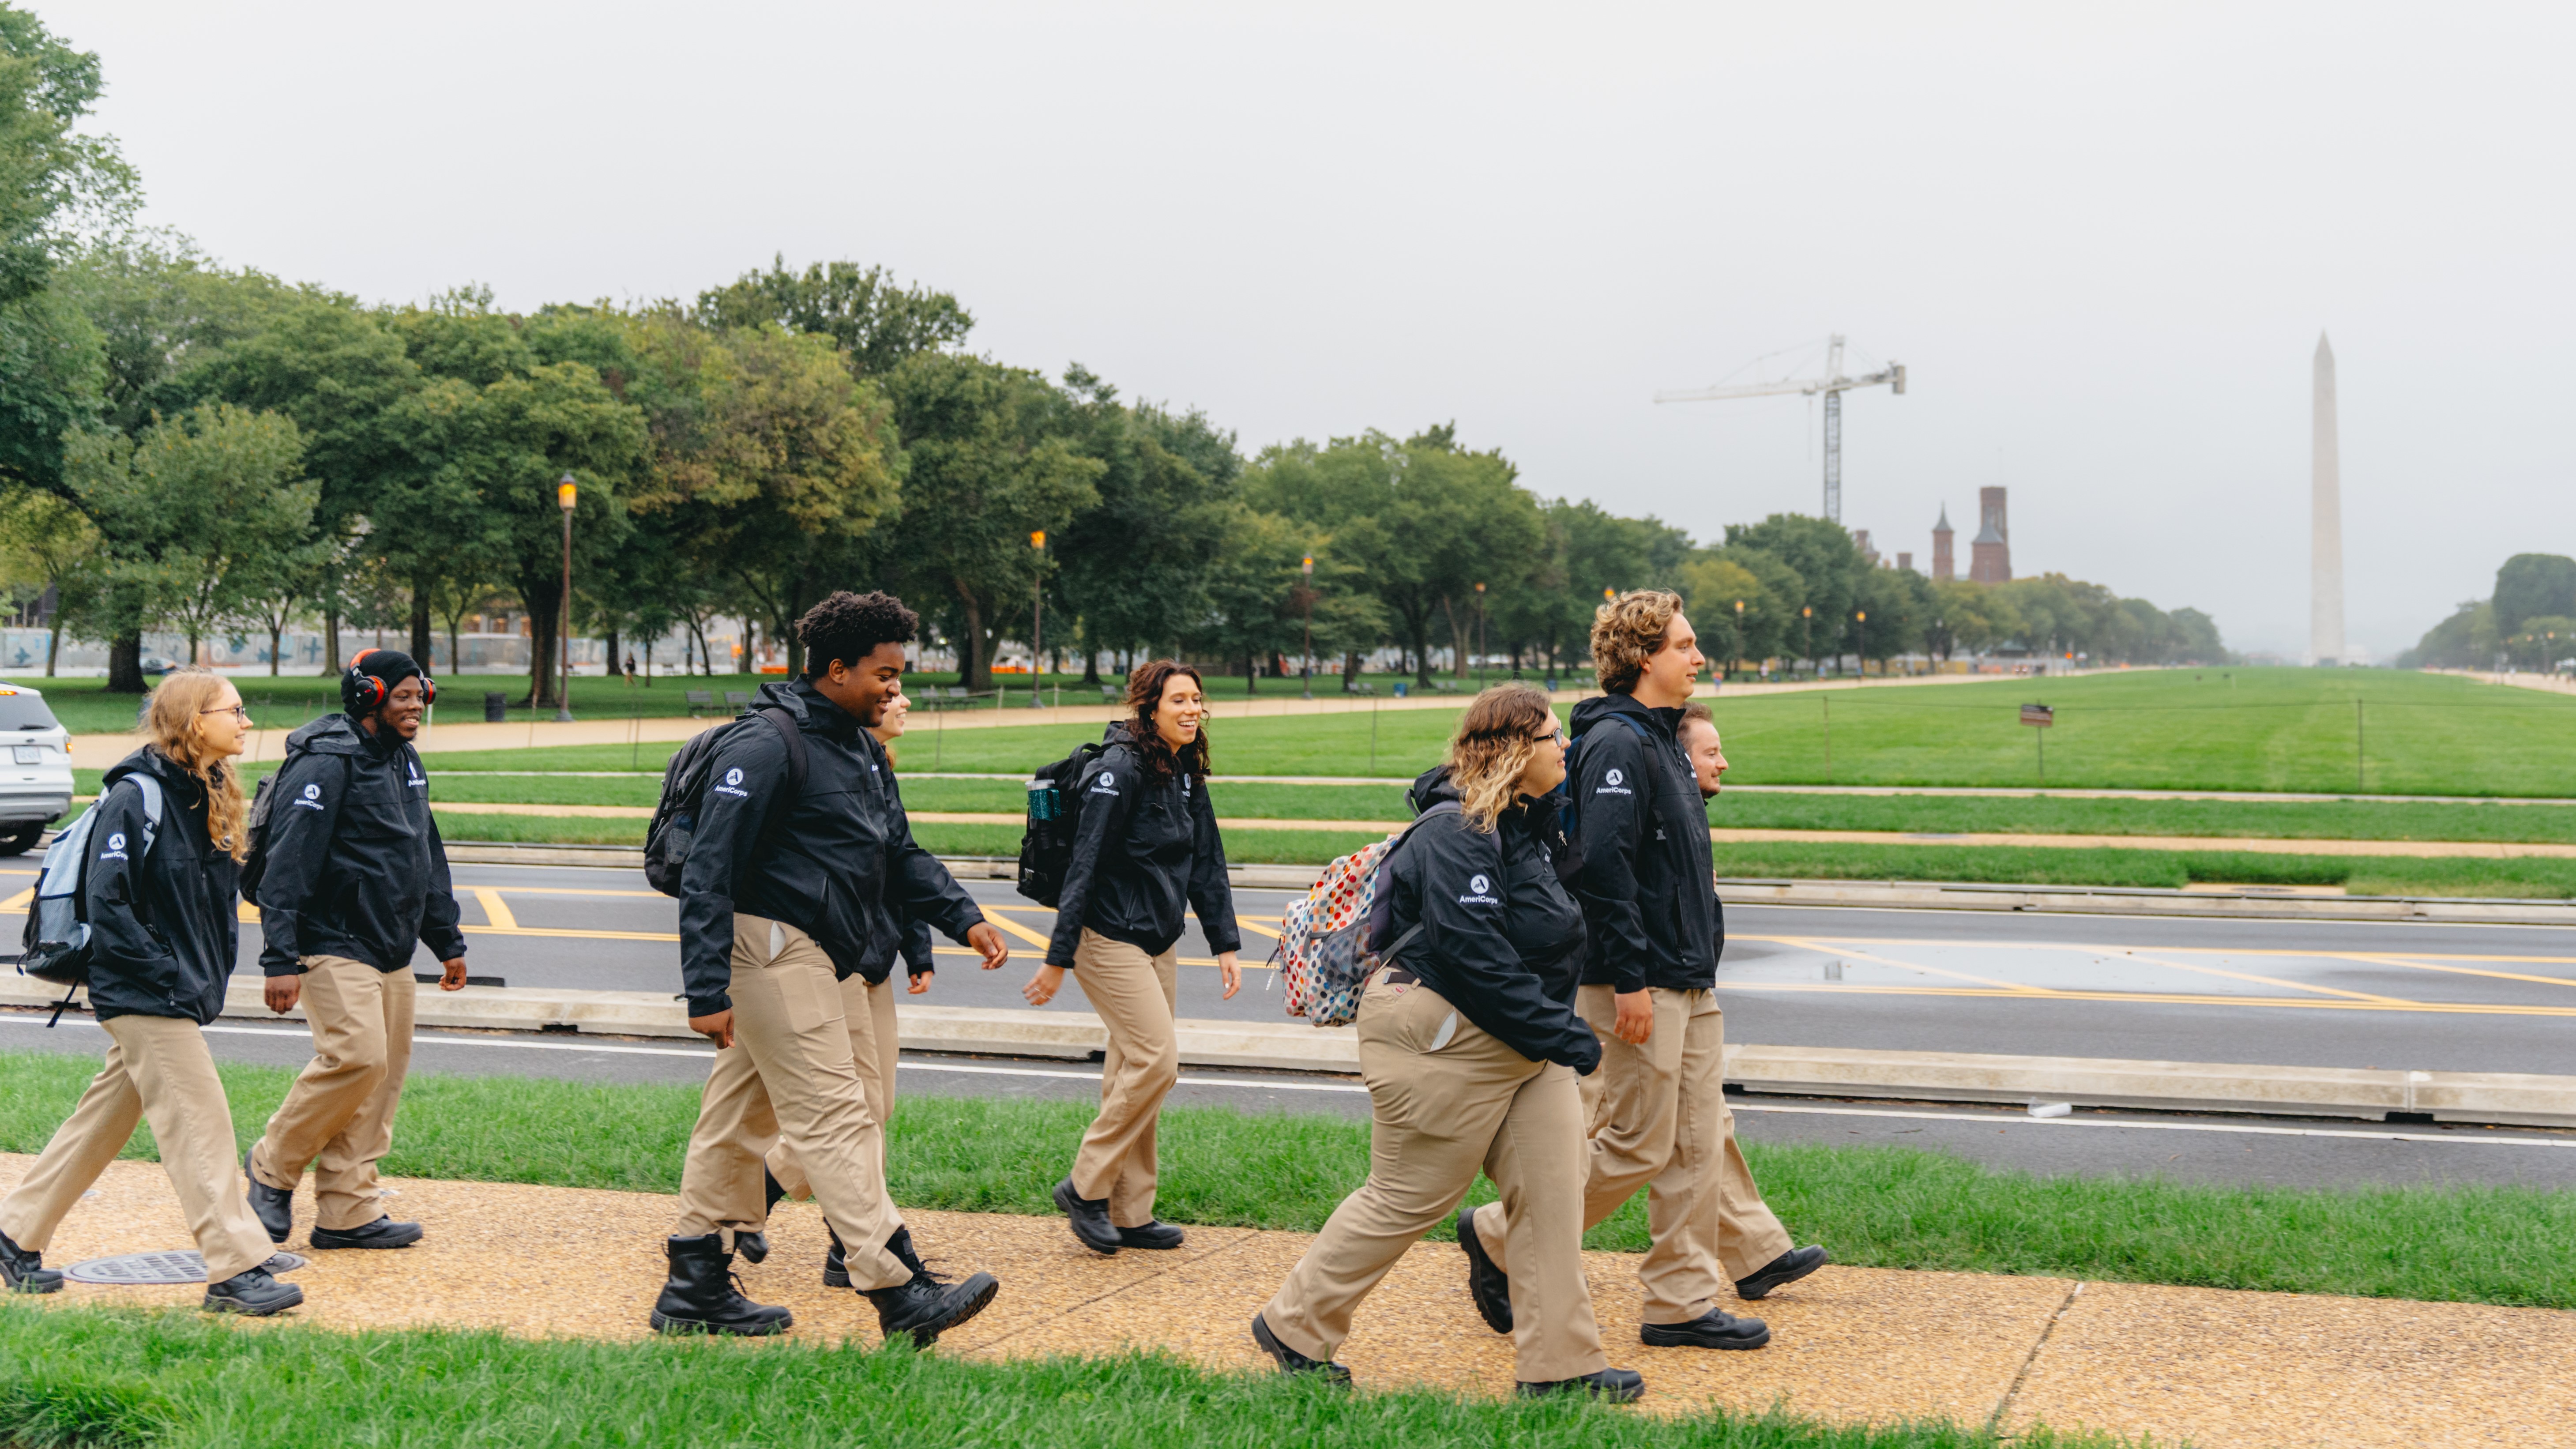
(836, 1268)
(252, 1293)
(925, 1305)
(1156, 1234)
(1619, 1386)
(1788, 1268)
(273, 1206)
(1716, 1328)
(754, 1247)
(703, 1296)
(25, 1272)
(1290, 1361)
(382, 1233)
(1090, 1219)
(1488, 1285)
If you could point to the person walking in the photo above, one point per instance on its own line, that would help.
(1470, 1048)
(159, 901)
(786, 894)
(1657, 1108)
(875, 1046)
(352, 875)
(1147, 845)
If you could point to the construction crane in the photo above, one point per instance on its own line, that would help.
(1833, 385)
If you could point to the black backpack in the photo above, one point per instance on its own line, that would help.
(1055, 817)
(684, 795)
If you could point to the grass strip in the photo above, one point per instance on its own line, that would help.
(181, 1381)
(1877, 1207)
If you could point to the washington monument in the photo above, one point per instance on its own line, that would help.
(2325, 506)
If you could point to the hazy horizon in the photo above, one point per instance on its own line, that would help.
(2104, 241)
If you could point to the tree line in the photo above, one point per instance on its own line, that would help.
(196, 448)
(2528, 623)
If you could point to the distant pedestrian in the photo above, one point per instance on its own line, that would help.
(1657, 1107)
(160, 904)
(1470, 1048)
(1147, 844)
(353, 877)
(630, 669)
(787, 894)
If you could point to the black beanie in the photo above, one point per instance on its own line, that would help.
(390, 665)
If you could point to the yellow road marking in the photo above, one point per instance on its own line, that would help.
(2015, 987)
(20, 901)
(1250, 924)
(570, 935)
(2102, 950)
(2258, 980)
(2378, 960)
(496, 912)
(993, 914)
(2159, 998)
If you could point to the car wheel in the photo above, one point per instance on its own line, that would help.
(22, 839)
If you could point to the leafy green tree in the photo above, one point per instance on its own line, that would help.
(2531, 585)
(1898, 603)
(1135, 568)
(1712, 588)
(193, 516)
(1253, 592)
(52, 178)
(771, 464)
(993, 457)
(43, 542)
(873, 322)
(1829, 570)
(2542, 641)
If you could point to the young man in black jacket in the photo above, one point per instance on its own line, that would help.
(1657, 1107)
(786, 894)
(355, 874)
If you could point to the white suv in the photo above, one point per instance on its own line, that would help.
(36, 775)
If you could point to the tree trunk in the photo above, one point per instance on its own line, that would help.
(648, 664)
(1457, 639)
(274, 634)
(1251, 672)
(423, 641)
(613, 656)
(125, 664)
(1350, 669)
(974, 664)
(545, 603)
(53, 643)
(1090, 658)
(331, 631)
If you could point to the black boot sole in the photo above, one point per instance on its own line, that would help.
(836, 1277)
(329, 1241)
(1497, 1318)
(1647, 1334)
(665, 1323)
(214, 1304)
(979, 1295)
(1064, 1200)
(1759, 1286)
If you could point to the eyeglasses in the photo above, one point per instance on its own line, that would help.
(1554, 737)
(238, 711)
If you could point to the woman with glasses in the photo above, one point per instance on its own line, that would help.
(1470, 1047)
(159, 891)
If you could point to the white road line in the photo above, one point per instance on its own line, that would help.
(1288, 1085)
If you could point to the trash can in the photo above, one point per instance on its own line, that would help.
(496, 708)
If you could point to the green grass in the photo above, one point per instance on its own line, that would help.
(1880, 1207)
(111, 1379)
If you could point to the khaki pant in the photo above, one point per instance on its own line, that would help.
(1659, 1120)
(874, 1050)
(1449, 1099)
(339, 1115)
(789, 1076)
(158, 1070)
(1137, 997)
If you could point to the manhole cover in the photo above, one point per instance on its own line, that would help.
(134, 1269)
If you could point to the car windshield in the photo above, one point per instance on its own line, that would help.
(25, 712)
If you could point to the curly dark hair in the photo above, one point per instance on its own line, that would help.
(848, 627)
(1144, 692)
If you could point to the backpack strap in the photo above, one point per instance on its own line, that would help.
(151, 790)
(785, 723)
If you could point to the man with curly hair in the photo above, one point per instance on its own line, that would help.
(1657, 1106)
(793, 896)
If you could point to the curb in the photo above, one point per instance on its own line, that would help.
(2369, 1094)
(1894, 895)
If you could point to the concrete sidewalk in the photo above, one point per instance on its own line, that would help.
(2220, 1369)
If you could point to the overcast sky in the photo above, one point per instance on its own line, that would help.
(2103, 239)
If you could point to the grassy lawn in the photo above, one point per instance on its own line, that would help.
(109, 1379)
(1882, 1207)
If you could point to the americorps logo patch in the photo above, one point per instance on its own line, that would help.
(116, 841)
(312, 792)
(1616, 777)
(1479, 884)
(733, 776)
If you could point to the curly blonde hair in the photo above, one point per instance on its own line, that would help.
(1491, 750)
(182, 698)
(1626, 632)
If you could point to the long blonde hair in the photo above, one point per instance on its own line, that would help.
(1492, 748)
(183, 697)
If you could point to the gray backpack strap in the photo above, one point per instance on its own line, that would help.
(151, 789)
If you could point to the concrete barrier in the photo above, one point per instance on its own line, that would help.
(1287, 1045)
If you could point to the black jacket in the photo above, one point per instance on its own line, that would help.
(1641, 829)
(1145, 848)
(1503, 940)
(354, 866)
(163, 924)
(837, 862)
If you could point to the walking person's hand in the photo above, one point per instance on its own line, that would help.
(451, 975)
(1636, 1020)
(919, 983)
(717, 1028)
(988, 944)
(1044, 985)
(1229, 967)
(280, 993)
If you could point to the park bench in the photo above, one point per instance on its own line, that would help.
(1111, 694)
(700, 699)
(738, 701)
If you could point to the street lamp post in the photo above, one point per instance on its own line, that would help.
(566, 494)
(1306, 591)
(1480, 636)
(1037, 622)
(1739, 635)
(1860, 641)
(1807, 626)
